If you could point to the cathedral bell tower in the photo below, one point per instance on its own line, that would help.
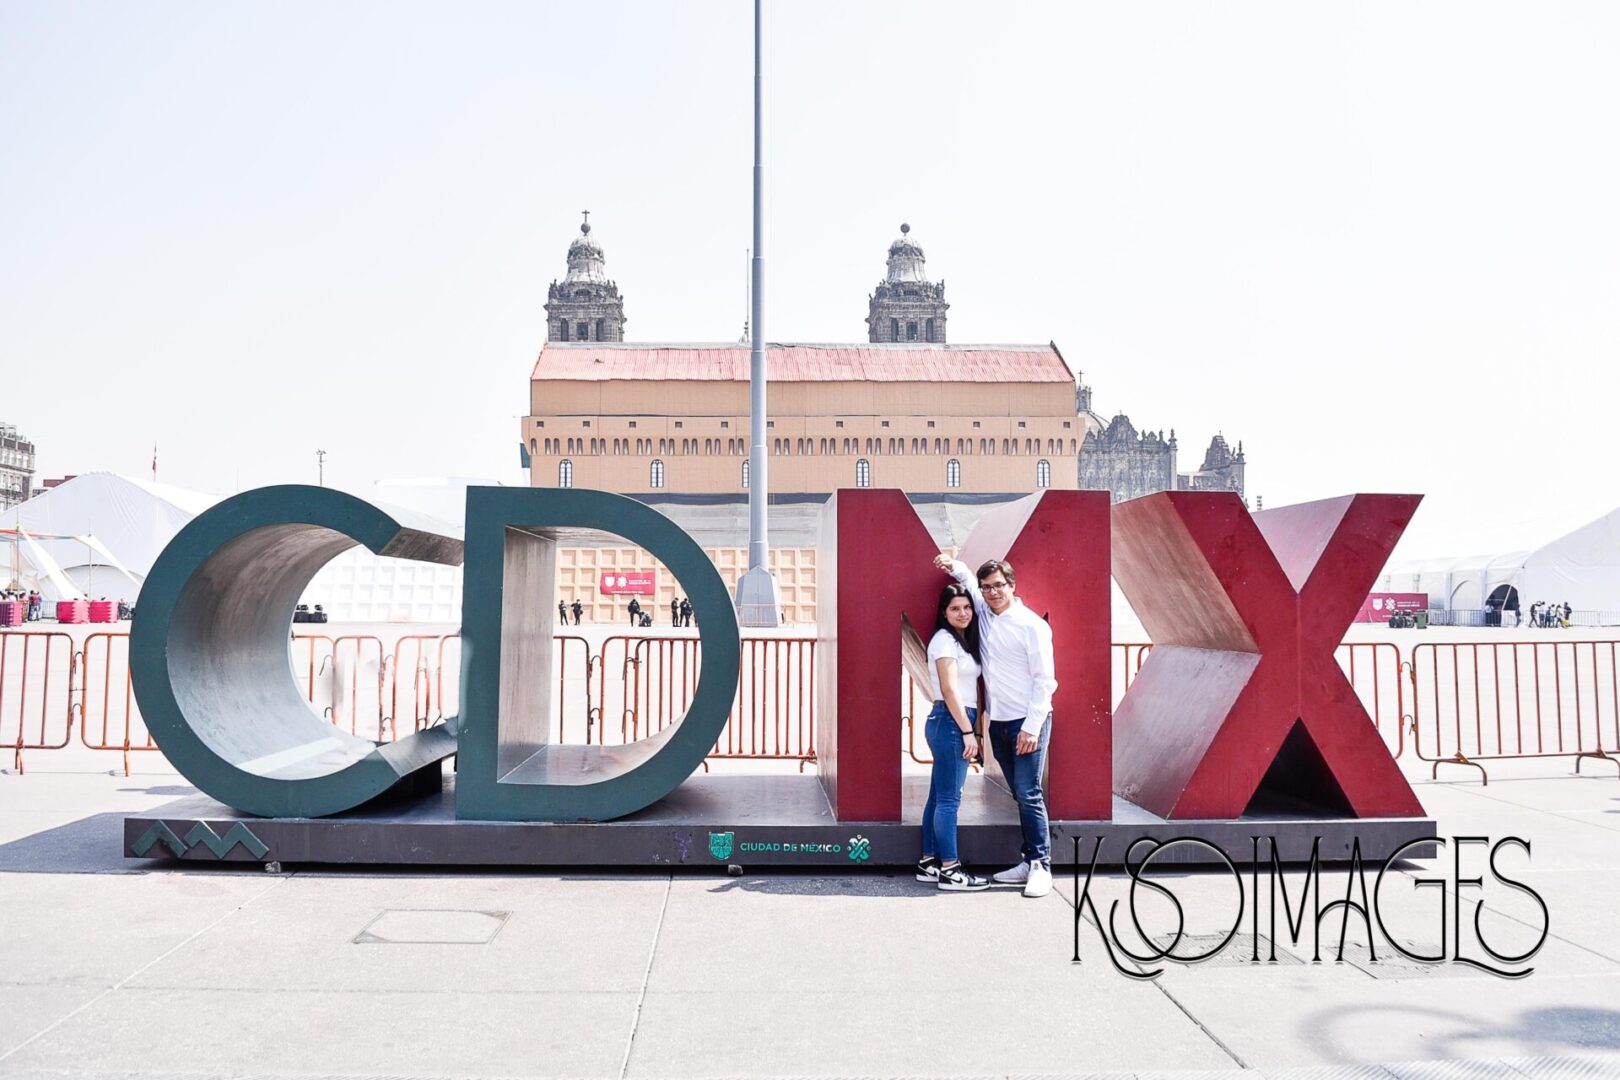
(585, 305)
(906, 306)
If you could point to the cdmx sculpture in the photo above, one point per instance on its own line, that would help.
(1239, 700)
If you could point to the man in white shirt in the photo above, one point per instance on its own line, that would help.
(1021, 676)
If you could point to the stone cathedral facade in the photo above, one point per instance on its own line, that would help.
(905, 309)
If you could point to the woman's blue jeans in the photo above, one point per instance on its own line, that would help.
(945, 788)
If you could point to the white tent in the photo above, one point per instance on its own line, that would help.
(1581, 568)
(120, 524)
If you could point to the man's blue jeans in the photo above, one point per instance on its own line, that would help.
(1023, 774)
(945, 787)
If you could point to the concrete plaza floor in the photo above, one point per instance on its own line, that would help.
(111, 967)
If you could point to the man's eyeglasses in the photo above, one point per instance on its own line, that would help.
(994, 586)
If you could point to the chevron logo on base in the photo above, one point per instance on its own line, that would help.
(201, 834)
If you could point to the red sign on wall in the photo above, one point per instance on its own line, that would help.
(628, 583)
(1379, 606)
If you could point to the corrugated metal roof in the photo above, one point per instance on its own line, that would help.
(601, 361)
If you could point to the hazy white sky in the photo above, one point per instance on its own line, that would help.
(1378, 243)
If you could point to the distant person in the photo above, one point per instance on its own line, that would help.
(675, 611)
(562, 612)
(35, 603)
(635, 612)
(686, 612)
(578, 609)
(1566, 614)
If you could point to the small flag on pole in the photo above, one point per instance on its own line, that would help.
(154, 463)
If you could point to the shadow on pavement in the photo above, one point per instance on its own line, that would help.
(1536, 1032)
(92, 845)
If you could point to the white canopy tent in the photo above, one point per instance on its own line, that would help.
(1581, 568)
(97, 534)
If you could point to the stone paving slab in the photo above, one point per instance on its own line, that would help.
(126, 968)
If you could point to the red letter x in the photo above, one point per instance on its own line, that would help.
(1241, 686)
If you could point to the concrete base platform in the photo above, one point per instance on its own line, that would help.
(715, 821)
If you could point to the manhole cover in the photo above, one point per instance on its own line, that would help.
(432, 927)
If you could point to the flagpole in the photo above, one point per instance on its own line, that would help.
(758, 600)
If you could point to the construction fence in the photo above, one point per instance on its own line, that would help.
(1459, 703)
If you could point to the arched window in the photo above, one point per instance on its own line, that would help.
(953, 473)
(657, 479)
(863, 473)
(531, 447)
(1043, 473)
(565, 473)
(745, 474)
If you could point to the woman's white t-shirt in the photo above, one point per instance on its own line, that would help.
(945, 646)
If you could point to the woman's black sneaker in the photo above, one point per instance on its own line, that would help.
(957, 879)
(928, 869)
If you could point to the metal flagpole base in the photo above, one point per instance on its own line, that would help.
(759, 600)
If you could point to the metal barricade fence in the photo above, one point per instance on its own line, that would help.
(109, 718)
(311, 659)
(1377, 675)
(1494, 701)
(37, 687)
(646, 683)
(1463, 702)
(410, 684)
(358, 674)
(775, 713)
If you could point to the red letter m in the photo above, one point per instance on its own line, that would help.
(875, 563)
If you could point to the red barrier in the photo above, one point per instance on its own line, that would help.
(36, 692)
(1515, 700)
(109, 717)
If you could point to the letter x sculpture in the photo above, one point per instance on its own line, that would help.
(1241, 695)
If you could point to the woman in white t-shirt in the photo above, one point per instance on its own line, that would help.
(953, 668)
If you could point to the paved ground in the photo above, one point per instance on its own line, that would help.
(116, 968)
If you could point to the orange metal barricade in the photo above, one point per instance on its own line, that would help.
(772, 716)
(410, 662)
(449, 699)
(775, 713)
(356, 694)
(110, 719)
(310, 656)
(1515, 700)
(1376, 673)
(37, 684)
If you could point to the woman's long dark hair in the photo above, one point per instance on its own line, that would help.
(968, 638)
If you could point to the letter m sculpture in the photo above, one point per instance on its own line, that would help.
(878, 588)
(1241, 705)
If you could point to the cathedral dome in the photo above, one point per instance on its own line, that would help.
(586, 262)
(906, 259)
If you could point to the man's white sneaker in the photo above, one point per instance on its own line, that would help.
(1040, 880)
(1015, 875)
